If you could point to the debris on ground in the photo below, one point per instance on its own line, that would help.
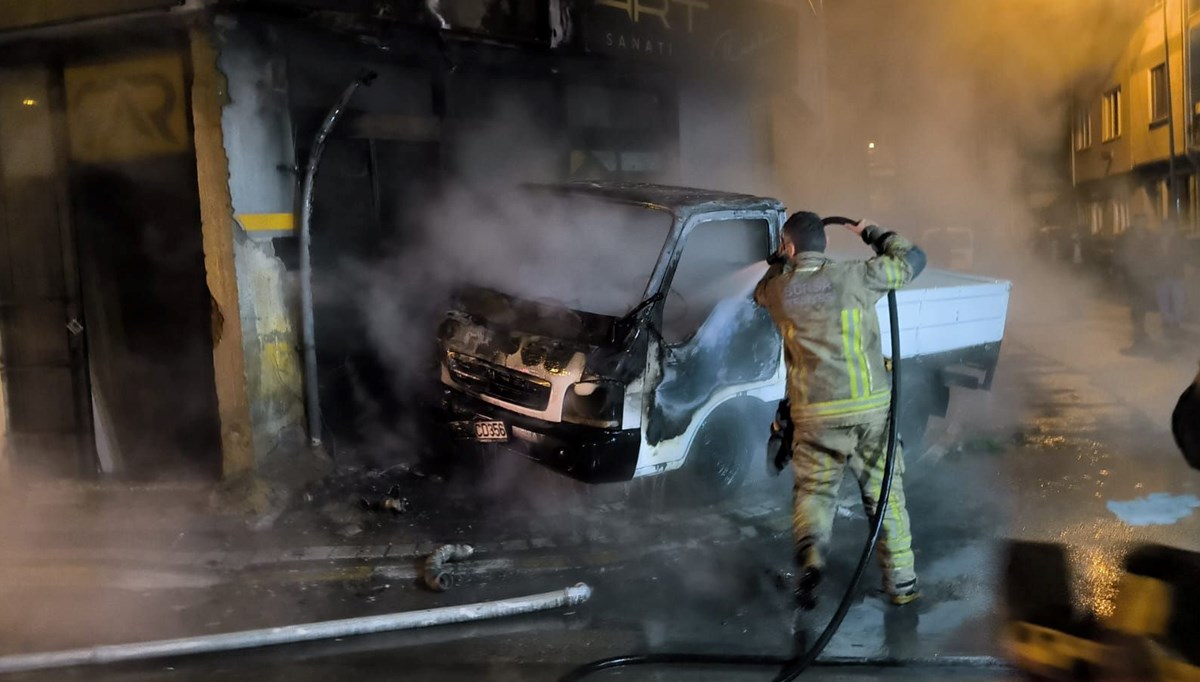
(392, 502)
(260, 500)
(438, 576)
(959, 446)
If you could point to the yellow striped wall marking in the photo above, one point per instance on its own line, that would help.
(267, 222)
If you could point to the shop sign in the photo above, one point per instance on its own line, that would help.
(756, 34)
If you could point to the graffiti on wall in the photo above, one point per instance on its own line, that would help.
(130, 109)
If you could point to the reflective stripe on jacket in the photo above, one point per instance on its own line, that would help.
(825, 310)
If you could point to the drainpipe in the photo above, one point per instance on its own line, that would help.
(1071, 132)
(1073, 121)
(312, 400)
(1172, 194)
(1189, 114)
(1185, 50)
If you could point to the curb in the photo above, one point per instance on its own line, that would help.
(408, 568)
(759, 521)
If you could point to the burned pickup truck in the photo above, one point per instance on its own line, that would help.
(652, 357)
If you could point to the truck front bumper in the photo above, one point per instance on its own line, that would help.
(584, 453)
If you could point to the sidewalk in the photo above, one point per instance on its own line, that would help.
(172, 537)
(1070, 322)
(86, 565)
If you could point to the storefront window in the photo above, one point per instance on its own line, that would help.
(617, 134)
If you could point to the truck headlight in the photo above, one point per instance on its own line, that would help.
(594, 403)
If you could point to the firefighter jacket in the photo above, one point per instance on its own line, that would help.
(825, 310)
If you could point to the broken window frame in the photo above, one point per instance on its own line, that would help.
(678, 242)
(684, 248)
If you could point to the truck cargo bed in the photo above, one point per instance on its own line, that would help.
(942, 311)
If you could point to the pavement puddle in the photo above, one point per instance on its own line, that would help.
(1157, 509)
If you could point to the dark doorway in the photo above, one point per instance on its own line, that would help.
(106, 322)
(42, 351)
(136, 209)
(148, 316)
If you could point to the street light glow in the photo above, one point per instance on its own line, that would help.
(29, 102)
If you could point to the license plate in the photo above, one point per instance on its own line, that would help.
(491, 431)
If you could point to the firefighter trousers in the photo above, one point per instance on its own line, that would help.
(820, 456)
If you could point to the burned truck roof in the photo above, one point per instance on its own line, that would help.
(664, 197)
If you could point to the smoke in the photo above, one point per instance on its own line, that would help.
(86, 564)
(485, 227)
(944, 120)
(938, 112)
(948, 121)
(963, 100)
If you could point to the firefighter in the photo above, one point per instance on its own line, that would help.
(839, 389)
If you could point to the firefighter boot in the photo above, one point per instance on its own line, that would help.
(904, 593)
(808, 577)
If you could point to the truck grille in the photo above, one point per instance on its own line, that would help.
(489, 379)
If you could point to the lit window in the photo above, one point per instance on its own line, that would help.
(1083, 130)
(1110, 115)
(1120, 216)
(1160, 95)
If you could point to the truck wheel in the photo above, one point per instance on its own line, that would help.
(717, 462)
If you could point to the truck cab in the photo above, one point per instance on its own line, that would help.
(665, 362)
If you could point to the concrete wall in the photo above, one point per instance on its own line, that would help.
(257, 136)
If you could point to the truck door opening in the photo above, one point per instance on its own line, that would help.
(716, 335)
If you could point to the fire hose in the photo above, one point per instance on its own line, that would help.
(793, 667)
(292, 634)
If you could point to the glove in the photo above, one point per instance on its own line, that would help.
(779, 445)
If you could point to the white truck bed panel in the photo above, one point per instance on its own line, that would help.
(942, 311)
(934, 278)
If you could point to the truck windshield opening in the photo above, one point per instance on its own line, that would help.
(590, 256)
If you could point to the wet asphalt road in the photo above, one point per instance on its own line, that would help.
(1039, 458)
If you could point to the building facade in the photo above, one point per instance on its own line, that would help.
(1131, 130)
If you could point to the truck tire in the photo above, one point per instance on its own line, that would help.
(718, 460)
